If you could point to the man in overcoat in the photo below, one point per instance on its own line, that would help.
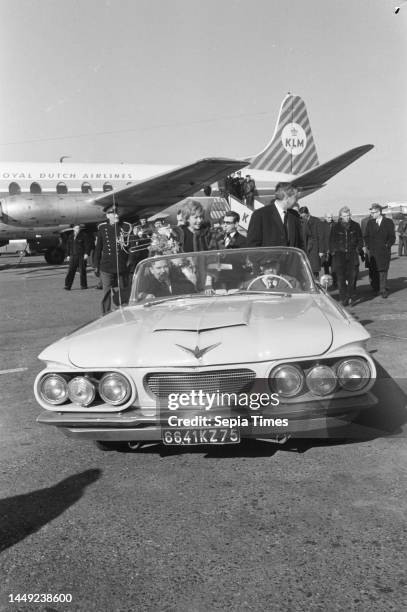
(379, 238)
(313, 240)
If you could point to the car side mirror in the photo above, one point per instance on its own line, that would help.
(326, 281)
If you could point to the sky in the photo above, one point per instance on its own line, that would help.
(169, 82)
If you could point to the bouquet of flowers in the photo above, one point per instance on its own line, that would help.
(164, 242)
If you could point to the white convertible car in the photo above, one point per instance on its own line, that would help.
(213, 347)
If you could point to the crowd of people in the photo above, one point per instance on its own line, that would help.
(335, 247)
(242, 188)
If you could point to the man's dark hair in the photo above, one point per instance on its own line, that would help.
(234, 214)
(304, 209)
(283, 186)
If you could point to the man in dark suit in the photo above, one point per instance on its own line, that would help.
(163, 280)
(402, 232)
(232, 238)
(271, 278)
(78, 248)
(275, 224)
(326, 229)
(379, 238)
(313, 241)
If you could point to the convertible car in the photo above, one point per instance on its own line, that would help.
(213, 347)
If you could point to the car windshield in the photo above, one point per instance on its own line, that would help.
(230, 271)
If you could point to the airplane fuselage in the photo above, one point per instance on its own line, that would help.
(42, 198)
(49, 175)
(50, 197)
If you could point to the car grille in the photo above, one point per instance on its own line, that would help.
(161, 384)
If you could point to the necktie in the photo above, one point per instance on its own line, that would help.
(286, 227)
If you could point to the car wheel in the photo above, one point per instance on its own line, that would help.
(55, 256)
(107, 445)
(134, 445)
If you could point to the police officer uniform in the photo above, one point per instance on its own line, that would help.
(111, 260)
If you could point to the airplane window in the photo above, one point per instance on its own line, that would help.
(107, 187)
(35, 188)
(62, 188)
(14, 189)
(86, 188)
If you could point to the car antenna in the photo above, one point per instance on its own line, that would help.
(117, 250)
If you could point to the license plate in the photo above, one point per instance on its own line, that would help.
(189, 437)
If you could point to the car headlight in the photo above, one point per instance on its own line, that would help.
(287, 380)
(53, 389)
(353, 374)
(321, 380)
(81, 391)
(114, 388)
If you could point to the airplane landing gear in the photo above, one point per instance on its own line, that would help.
(54, 256)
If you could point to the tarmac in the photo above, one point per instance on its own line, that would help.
(315, 525)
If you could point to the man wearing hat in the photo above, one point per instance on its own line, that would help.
(379, 238)
(78, 248)
(110, 258)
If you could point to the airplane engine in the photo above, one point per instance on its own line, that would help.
(49, 210)
(29, 211)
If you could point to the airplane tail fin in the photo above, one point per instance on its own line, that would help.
(292, 148)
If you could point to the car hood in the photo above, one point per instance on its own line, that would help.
(200, 332)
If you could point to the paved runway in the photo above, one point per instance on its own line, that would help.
(253, 527)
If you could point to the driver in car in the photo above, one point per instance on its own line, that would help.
(271, 279)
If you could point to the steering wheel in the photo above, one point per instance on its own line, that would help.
(269, 276)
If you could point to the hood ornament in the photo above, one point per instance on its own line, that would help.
(197, 352)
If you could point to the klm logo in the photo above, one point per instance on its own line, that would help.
(293, 138)
(290, 143)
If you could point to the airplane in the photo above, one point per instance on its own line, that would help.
(42, 199)
(38, 201)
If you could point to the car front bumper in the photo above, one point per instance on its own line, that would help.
(307, 420)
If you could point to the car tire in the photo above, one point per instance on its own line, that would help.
(55, 256)
(107, 445)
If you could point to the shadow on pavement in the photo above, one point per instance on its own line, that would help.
(23, 515)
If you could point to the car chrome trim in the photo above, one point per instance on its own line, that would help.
(197, 352)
